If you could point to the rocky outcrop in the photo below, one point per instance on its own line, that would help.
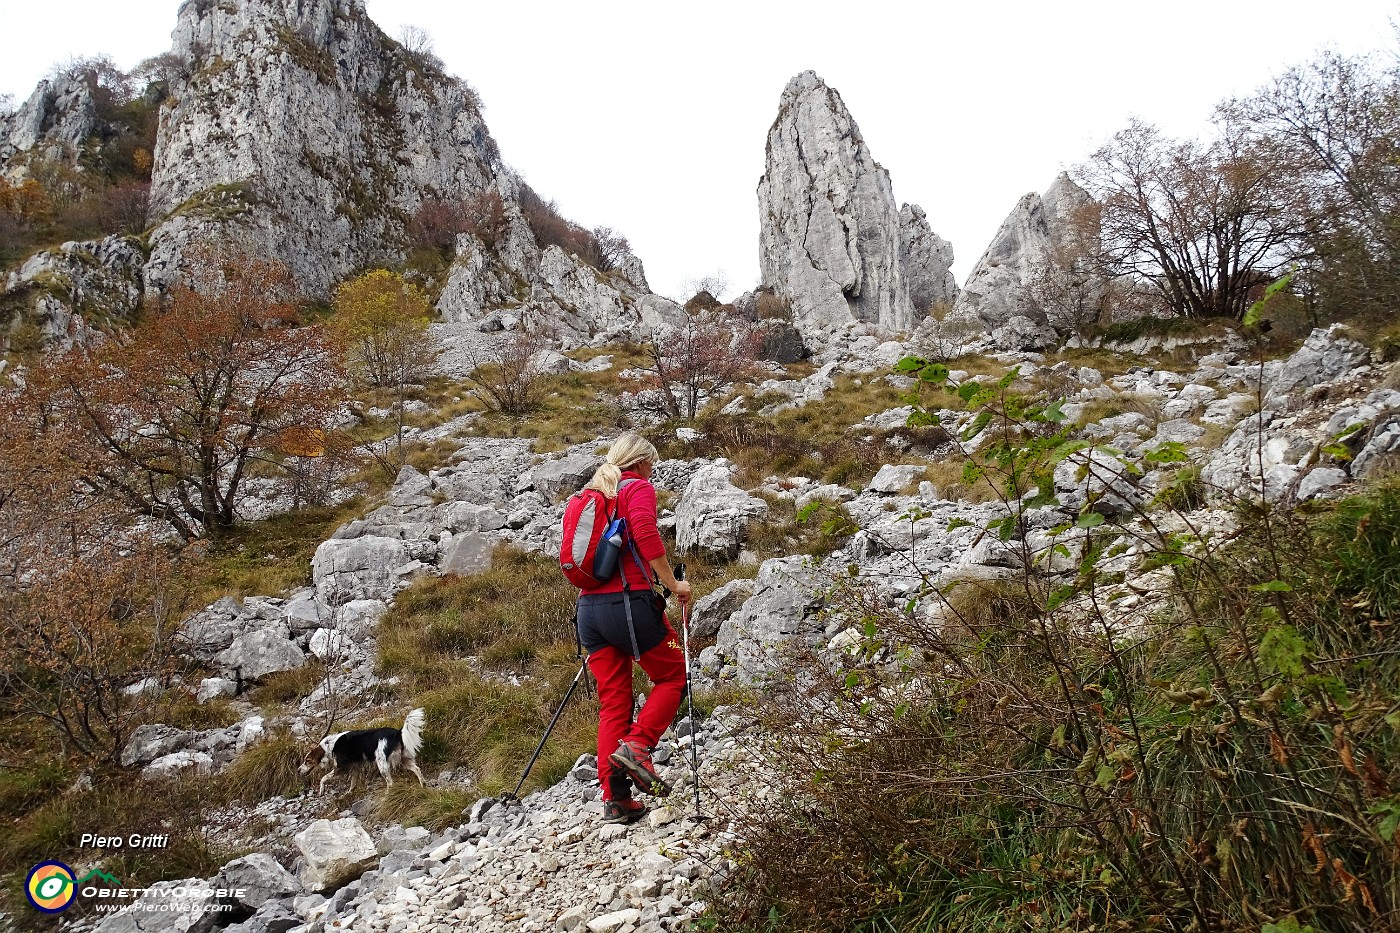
(713, 514)
(307, 135)
(832, 240)
(1041, 231)
(64, 292)
(52, 125)
(310, 135)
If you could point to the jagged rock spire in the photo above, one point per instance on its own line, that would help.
(832, 239)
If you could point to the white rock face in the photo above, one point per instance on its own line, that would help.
(1038, 226)
(713, 514)
(334, 853)
(832, 239)
(310, 133)
(304, 133)
(65, 290)
(53, 125)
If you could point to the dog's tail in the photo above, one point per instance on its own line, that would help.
(413, 732)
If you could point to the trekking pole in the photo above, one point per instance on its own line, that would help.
(689, 697)
(514, 795)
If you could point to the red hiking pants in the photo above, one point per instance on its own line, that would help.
(612, 668)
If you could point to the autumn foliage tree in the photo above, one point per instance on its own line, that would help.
(1205, 225)
(167, 420)
(88, 599)
(1337, 119)
(693, 360)
(381, 322)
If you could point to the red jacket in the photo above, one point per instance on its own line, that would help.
(636, 502)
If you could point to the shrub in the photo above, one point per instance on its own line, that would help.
(1030, 754)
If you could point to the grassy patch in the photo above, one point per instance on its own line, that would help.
(486, 714)
(270, 556)
(411, 804)
(119, 804)
(812, 441)
(267, 769)
(288, 686)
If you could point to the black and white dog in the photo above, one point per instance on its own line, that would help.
(387, 748)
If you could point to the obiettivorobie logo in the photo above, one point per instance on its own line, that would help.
(50, 887)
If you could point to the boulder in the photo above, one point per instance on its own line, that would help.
(250, 732)
(367, 567)
(176, 764)
(556, 479)
(1319, 481)
(469, 516)
(787, 594)
(257, 654)
(467, 554)
(713, 514)
(550, 362)
(330, 644)
(710, 611)
(303, 612)
(153, 741)
(615, 921)
(211, 688)
(893, 478)
(1384, 440)
(832, 240)
(1097, 477)
(260, 878)
(411, 488)
(334, 853)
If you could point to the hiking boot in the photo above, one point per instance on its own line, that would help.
(625, 810)
(636, 761)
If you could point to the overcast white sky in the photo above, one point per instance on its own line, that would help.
(651, 118)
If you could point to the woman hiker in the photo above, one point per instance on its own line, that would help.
(625, 745)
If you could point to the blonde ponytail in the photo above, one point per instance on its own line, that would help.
(628, 450)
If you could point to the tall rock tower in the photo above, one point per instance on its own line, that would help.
(832, 239)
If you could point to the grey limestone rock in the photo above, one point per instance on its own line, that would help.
(710, 611)
(1326, 355)
(555, 479)
(260, 877)
(334, 853)
(892, 478)
(257, 654)
(713, 514)
(467, 554)
(367, 567)
(1038, 227)
(832, 239)
(153, 741)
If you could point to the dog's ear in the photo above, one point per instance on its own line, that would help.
(315, 756)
